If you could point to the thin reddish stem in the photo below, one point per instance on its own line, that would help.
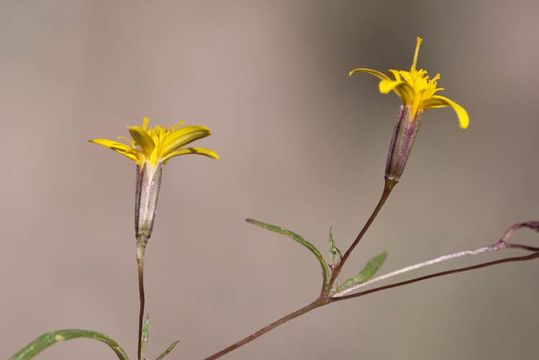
(265, 329)
(388, 187)
(438, 274)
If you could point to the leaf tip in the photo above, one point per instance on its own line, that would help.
(168, 350)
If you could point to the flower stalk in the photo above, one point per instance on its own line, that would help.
(141, 249)
(388, 188)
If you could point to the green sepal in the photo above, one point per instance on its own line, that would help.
(145, 334)
(368, 271)
(299, 239)
(52, 337)
(168, 350)
(335, 254)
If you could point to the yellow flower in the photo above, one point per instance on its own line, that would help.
(157, 145)
(416, 90)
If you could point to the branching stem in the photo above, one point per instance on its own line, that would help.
(321, 301)
(531, 256)
(327, 298)
(459, 254)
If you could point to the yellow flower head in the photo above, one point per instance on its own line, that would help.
(415, 89)
(158, 144)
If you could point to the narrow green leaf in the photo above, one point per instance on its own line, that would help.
(368, 271)
(51, 338)
(335, 254)
(299, 239)
(168, 350)
(145, 334)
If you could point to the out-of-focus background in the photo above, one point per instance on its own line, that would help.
(302, 145)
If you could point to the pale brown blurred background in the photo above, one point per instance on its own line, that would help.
(302, 145)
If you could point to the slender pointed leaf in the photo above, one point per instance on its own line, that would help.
(368, 271)
(335, 254)
(168, 350)
(51, 338)
(145, 334)
(299, 239)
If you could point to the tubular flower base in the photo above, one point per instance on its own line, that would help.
(147, 192)
(404, 134)
(415, 89)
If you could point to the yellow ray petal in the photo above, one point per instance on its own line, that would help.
(178, 125)
(406, 93)
(118, 147)
(396, 74)
(437, 101)
(128, 140)
(373, 72)
(181, 137)
(142, 139)
(385, 86)
(196, 150)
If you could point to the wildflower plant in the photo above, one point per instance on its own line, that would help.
(152, 148)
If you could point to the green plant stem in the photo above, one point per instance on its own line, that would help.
(141, 248)
(388, 187)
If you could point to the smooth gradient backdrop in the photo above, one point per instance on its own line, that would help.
(301, 145)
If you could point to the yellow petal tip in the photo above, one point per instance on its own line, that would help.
(462, 115)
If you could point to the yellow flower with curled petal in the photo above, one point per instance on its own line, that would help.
(415, 89)
(158, 144)
(150, 149)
